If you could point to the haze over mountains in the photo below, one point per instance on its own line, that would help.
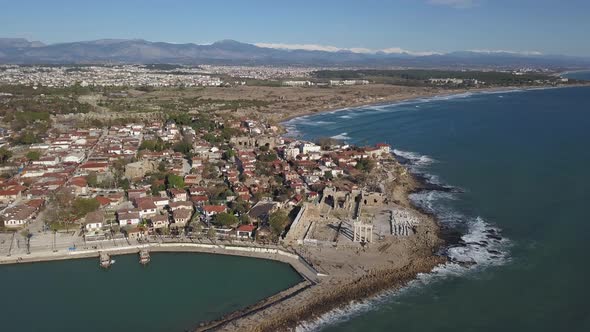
(138, 51)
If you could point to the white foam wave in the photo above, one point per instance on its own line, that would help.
(414, 158)
(341, 136)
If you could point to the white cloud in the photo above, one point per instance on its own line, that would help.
(453, 3)
(329, 48)
(507, 51)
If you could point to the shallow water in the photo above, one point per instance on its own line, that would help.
(521, 158)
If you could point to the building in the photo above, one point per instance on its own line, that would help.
(128, 218)
(18, 216)
(181, 217)
(245, 231)
(94, 221)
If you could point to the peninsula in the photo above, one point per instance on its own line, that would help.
(105, 167)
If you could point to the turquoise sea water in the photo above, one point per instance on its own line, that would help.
(521, 158)
(174, 292)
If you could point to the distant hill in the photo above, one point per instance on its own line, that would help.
(22, 51)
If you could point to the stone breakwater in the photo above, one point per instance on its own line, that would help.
(320, 299)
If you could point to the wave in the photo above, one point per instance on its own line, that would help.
(414, 158)
(341, 136)
(480, 246)
(414, 103)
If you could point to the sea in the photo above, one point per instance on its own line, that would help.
(518, 161)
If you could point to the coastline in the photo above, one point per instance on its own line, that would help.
(372, 283)
(424, 94)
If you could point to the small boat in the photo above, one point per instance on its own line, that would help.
(106, 261)
(144, 257)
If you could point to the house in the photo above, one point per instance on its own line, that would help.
(47, 161)
(199, 200)
(136, 233)
(146, 207)
(94, 221)
(178, 195)
(181, 205)
(211, 210)
(136, 193)
(191, 179)
(245, 231)
(161, 202)
(103, 201)
(99, 167)
(74, 157)
(80, 185)
(181, 217)
(159, 221)
(10, 195)
(128, 218)
(18, 216)
(197, 191)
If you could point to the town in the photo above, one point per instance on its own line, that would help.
(185, 177)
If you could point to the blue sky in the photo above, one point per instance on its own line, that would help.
(547, 26)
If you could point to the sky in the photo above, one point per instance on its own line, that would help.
(418, 26)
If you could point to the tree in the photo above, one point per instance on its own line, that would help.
(33, 155)
(278, 221)
(124, 183)
(328, 175)
(229, 154)
(245, 219)
(92, 179)
(153, 145)
(212, 234)
(182, 147)
(82, 206)
(239, 206)
(225, 219)
(174, 181)
(162, 166)
(365, 165)
(5, 154)
(197, 227)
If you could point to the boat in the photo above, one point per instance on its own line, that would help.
(106, 261)
(144, 257)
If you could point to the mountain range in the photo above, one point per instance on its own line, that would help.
(230, 52)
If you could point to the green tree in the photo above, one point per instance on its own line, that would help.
(82, 206)
(174, 181)
(278, 221)
(33, 155)
(225, 219)
(182, 147)
(5, 154)
(92, 179)
(244, 219)
(365, 165)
